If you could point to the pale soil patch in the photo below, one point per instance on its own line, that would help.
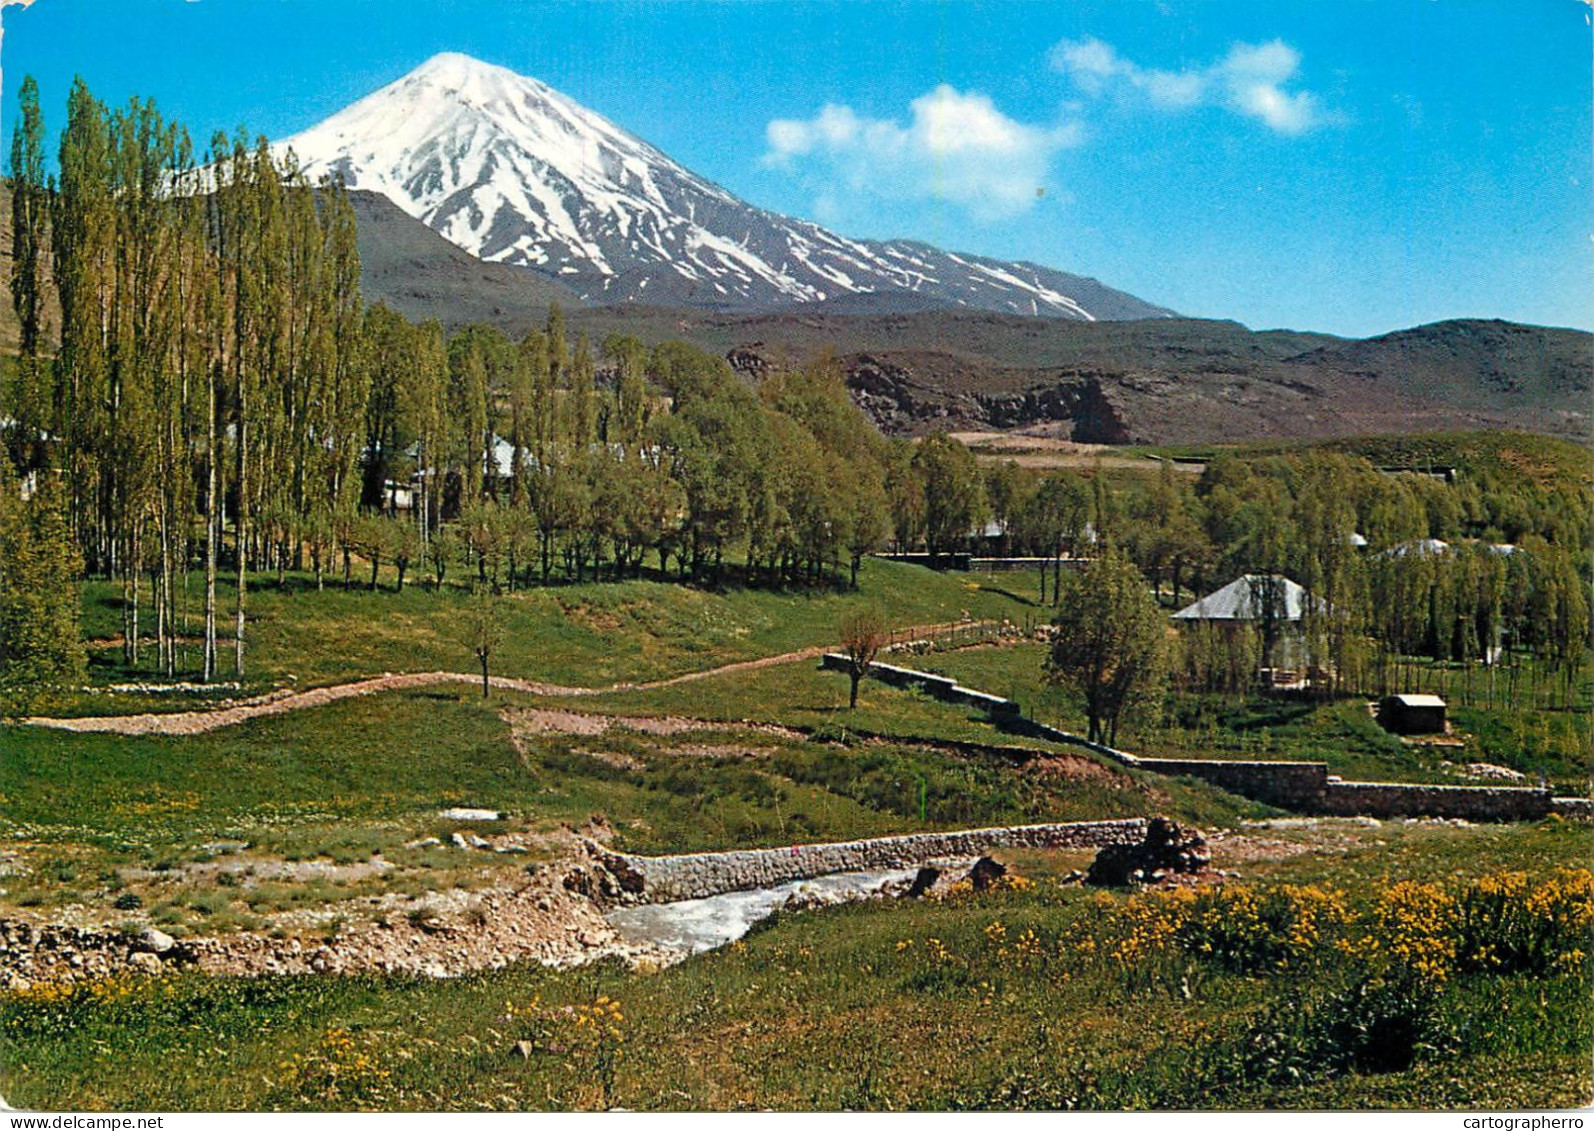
(1329, 836)
(253, 870)
(708, 750)
(1034, 448)
(285, 699)
(611, 758)
(525, 722)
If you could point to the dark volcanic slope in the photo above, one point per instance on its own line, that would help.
(1166, 380)
(421, 275)
(916, 370)
(1471, 359)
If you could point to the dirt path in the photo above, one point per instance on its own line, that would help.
(281, 702)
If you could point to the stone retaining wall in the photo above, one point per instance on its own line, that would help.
(1288, 785)
(1005, 714)
(1472, 802)
(663, 879)
(936, 686)
(1305, 787)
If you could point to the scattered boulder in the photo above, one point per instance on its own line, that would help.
(152, 940)
(597, 883)
(468, 814)
(922, 882)
(1167, 849)
(986, 872)
(620, 871)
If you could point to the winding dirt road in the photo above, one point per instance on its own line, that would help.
(281, 702)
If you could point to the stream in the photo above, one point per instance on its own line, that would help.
(692, 926)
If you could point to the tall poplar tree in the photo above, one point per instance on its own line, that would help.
(30, 404)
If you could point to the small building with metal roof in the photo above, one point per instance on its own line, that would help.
(1412, 714)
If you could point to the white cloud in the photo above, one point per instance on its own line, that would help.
(1250, 80)
(956, 146)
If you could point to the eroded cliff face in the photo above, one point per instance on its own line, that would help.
(900, 401)
(1081, 403)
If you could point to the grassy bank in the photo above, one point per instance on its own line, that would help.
(588, 635)
(362, 777)
(1011, 999)
(1556, 742)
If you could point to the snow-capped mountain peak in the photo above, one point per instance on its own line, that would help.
(513, 171)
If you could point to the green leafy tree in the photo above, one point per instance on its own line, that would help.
(954, 493)
(1109, 643)
(405, 547)
(39, 602)
(1053, 520)
(31, 408)
(484, 629)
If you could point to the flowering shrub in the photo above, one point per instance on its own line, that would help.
(588, 1037)
(1250, 931)
(343, 1070)
(1418, 923)
(60, 1007)
(1506, 923)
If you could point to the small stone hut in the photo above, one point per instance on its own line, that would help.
(1412, 714)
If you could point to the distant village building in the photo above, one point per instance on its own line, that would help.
(398, 498)
(1442, 472)
(1271, 604)
(1412, 714)
(1250, 599)
(1421, 548)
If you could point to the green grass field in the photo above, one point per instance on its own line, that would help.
(975, 1002)
(921, 1005)
(1557, 742)
(590, 635)
(367, 775)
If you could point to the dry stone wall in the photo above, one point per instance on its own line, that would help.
(1287, 785)
(1305, 787)
(1472, 802)
(664, 879)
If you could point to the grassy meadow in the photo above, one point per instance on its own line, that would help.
(1032, 997)
(589, 635)
(1262, 992)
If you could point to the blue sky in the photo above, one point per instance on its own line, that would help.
(1353, 166)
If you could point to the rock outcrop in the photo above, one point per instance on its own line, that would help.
(1166, 850)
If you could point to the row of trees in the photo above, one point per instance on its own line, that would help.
(1511, 580)
(217, 396)
(208, 346)
(538, 461)
(1509, 583)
